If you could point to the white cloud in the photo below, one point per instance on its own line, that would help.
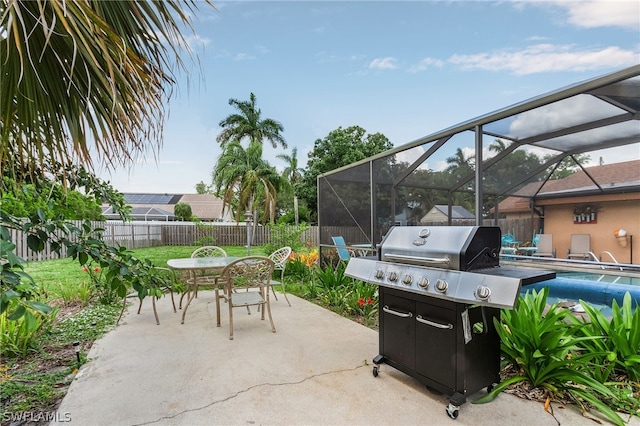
(425, 64)
(547, 58)
(243, 57)
(607, 13)
(387, 63)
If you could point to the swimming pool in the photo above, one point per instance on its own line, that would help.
(590, 276)
(589, 287)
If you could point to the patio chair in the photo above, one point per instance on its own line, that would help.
(203, 278)
(280, 258)
(344, 254)
(544, 246)
(164, 279)
(508, 245)
(580, 246)
(251, 273)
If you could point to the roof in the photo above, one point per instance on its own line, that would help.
(141, 213)
(203, 206)
(457, 212)
(609, 176)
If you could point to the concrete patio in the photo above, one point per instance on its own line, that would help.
(315, 370)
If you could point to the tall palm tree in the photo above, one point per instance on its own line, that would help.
(460, 160)
(86, 80)
(247, 124)
(293, 174)
(242, 177)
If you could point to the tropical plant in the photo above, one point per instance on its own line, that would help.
(293, 174)
(244, 177)
(540, 342)
(618, 344)
(247, 123)
(86, 80)
(19, 336)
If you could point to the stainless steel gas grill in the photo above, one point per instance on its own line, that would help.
(440, 289)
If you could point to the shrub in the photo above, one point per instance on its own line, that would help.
(544, 347)
(285, 235)
(19, 337)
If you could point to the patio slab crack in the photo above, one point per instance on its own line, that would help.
(250, 388)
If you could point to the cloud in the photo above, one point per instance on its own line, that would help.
(547, 58)
(603, 13)
(243, 57)
(387, 63)
(425, 64)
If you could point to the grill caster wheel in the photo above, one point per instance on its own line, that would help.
(452, 411)
(375, 371)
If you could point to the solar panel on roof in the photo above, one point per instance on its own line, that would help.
(148, 198)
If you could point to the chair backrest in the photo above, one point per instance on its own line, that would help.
(508, 240)
(209, 251)
(580, 243)
(544, 243)
(247, 272)
(280, 257)
(341, 246)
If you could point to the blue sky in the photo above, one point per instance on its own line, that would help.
(405, 69)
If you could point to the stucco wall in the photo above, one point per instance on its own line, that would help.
(611, 216)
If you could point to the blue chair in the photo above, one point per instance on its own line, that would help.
(344, 254)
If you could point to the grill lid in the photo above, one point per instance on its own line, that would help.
(461, 248)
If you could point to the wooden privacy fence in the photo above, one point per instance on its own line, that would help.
(133, 235)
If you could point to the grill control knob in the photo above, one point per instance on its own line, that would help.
(407, 279)
(442, 286)
(483, 292)
(379, 274)
(393, 276)
(423, 283)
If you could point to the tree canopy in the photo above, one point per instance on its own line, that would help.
(339, 148)
(85, 81)
(248, 124)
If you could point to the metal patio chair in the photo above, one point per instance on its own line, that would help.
(243, 283)
(203, 279)
(280, 258)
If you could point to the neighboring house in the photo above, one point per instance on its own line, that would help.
(149, 207)
(440, 213)
(575, 205)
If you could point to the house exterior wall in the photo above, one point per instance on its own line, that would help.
(612, 214)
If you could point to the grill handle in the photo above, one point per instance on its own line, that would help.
(422, 320)
(401, 257)
(386, 309)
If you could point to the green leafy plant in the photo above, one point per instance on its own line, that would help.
(282, 235)
(619, 345)
(19, 337)
(541, 343)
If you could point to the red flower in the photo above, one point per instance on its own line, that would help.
(360, 302)
(85, 269)
(96, 269)
(370, 301)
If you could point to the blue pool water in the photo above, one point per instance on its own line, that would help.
(596, 289)
(590, 276)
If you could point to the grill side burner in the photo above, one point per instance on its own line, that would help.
(440, 289)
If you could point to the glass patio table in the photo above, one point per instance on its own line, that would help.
(193, 265)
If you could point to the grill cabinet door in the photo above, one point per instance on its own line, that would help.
(436, 349)
(397, 340)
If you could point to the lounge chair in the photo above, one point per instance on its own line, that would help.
(544, 246)
(580, 246)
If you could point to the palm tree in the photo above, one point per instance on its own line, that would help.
(293, 174)
(460, 160)
(247, 124)
(86, 80)
(242, 177)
